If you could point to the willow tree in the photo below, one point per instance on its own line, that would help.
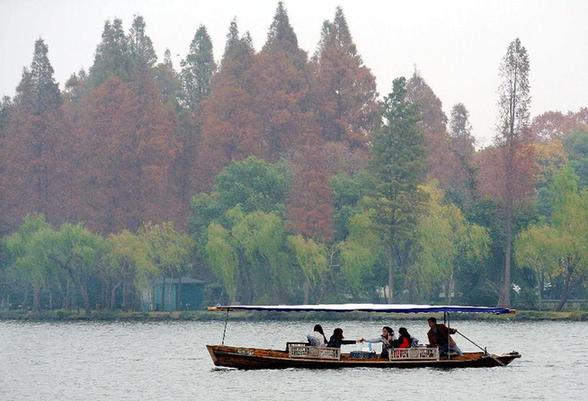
(170, 251)
(559, 248)
(223, 259)
(261, 240)
(398, 167)
(129, 267)
(361, 252)
(448, 243)
(311, 258)
(22, 263)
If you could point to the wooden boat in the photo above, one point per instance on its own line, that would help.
(301, 355)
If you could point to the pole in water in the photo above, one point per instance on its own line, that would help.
(225, 329)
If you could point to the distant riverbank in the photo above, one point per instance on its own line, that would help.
(74, 315)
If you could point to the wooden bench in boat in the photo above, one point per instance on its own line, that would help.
(412, 354)
(298, 350)
(302, 350)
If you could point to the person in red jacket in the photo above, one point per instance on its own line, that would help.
(404, 341)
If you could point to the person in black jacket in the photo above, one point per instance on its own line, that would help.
(337, 340)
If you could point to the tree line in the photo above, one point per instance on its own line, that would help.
(279, 177)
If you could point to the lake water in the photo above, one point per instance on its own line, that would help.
(169, 361)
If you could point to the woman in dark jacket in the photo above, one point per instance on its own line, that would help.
(337, 340)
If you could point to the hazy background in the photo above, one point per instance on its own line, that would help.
(456, 45)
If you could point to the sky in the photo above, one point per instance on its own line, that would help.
(456, 45)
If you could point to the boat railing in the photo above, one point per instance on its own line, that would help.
(311, 352)
(416, 353)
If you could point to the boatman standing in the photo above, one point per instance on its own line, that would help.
(439, 336)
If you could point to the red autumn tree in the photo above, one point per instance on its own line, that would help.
(309, 206)
(555, 125)
(230, 128)
(125, 156)
(31, 156)
(281, 89)
(433, 124)
(344, 89)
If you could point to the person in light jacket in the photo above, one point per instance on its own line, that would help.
(317, 337)
(387, 340)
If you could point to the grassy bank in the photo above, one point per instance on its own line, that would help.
(72, 315)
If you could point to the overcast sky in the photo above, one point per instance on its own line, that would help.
(456, 45)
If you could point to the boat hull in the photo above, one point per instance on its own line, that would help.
(254, 358)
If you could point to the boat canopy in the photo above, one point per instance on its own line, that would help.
(387, 308)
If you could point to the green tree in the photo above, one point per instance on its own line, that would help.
(129, 267)
(448, 243)
(362, 252)
(76, 251)
(141, 52)
(347, 192)
(22, 261)
(311, 258)
(576, 146)
(251, 183)
(261, 240)
(112, 55)
(398, 168)
(170, 252)
(198, 69)
(463, 180)
(559, 248)
(222, 257)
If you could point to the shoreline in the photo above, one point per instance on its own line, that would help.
(203, 315)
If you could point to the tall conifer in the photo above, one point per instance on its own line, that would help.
(112, 54)
(513, 120)
(398, 168)
(30, 145)
(198, 69)
(344, 88)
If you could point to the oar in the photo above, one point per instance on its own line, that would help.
(483, 349)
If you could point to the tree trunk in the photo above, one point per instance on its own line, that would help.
(179, 305)
(124, 295)
(391, 278)
(163, 293)
(25, 298)
(37, 299)
(567, 288)
(504, 299)
(169, 294)
(113, 295)
(86, 298)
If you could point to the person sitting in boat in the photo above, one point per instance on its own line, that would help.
(439, 336)
(337, 340)
(317, 337)
(387, 339)
(405, 340)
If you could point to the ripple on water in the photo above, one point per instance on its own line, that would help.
(168, 360)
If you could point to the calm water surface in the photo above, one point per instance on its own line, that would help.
(168, 361)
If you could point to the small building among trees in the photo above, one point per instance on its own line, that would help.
(176, 294)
